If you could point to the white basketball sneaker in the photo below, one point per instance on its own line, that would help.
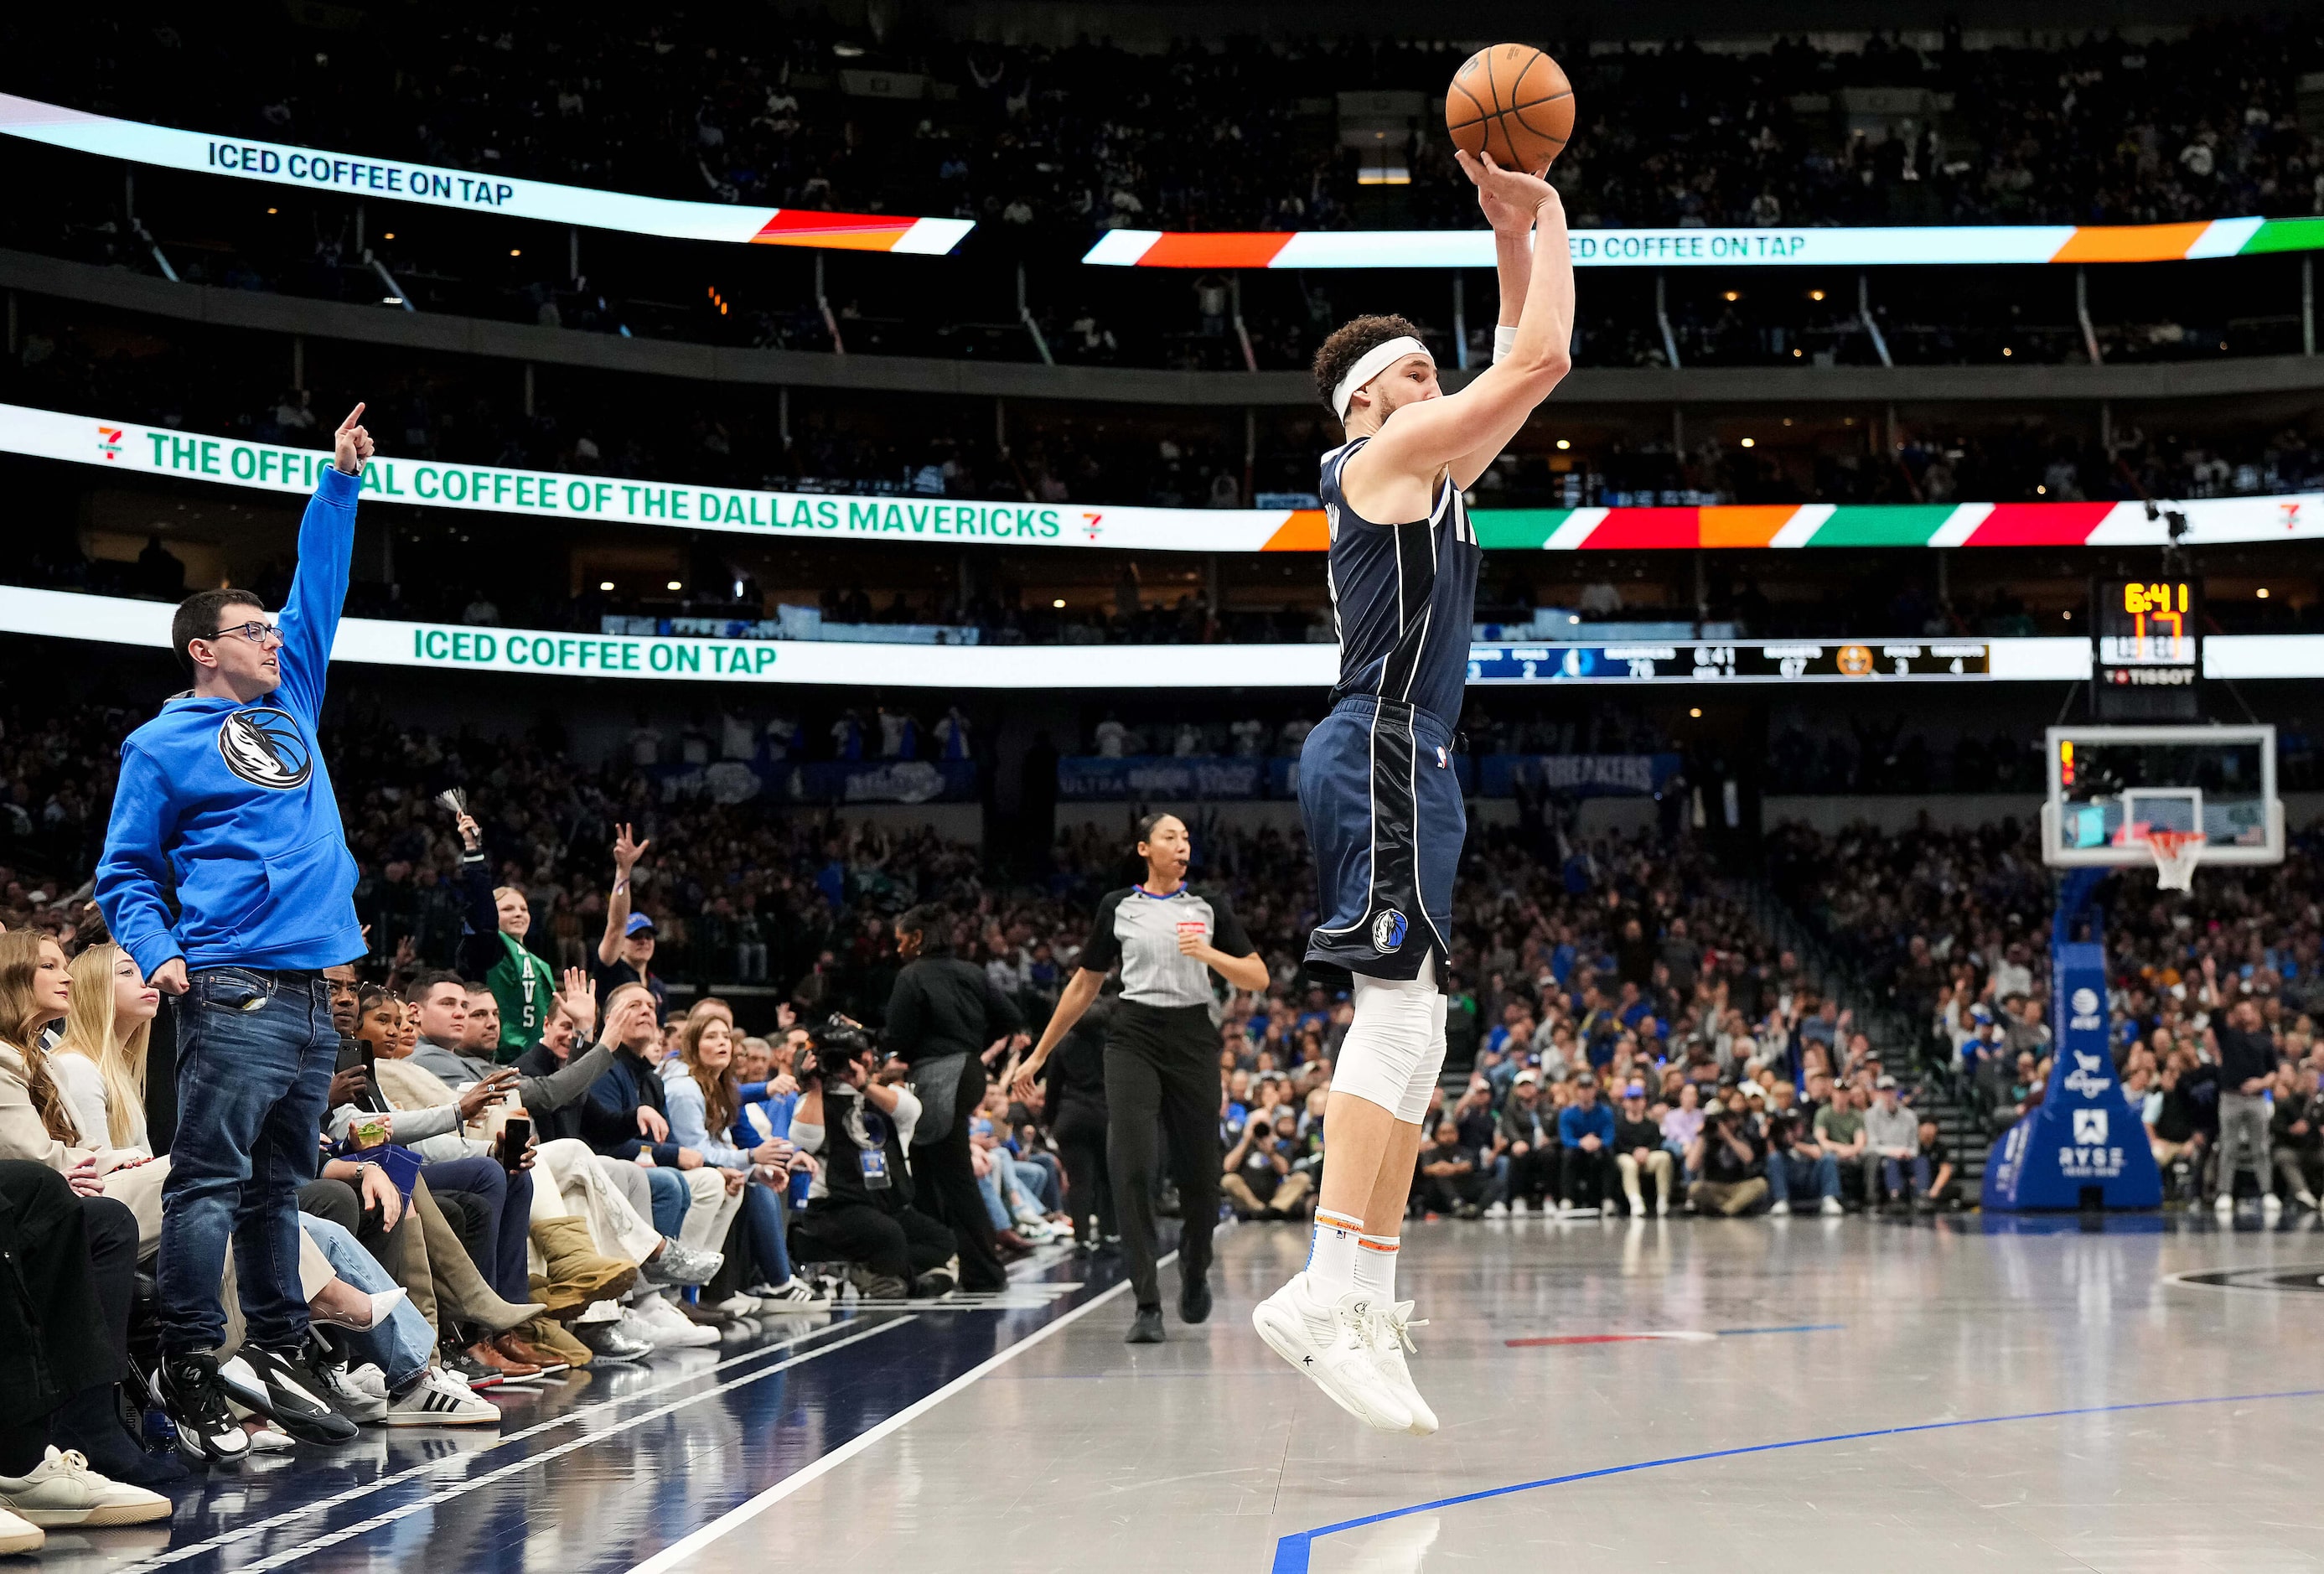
(1330, 1342)
(1392, 1327)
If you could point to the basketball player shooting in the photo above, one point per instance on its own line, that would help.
(1376, 788)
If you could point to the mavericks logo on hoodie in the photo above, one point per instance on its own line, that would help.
(263, 747)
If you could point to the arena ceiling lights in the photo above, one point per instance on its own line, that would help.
(349, 175)
(1928, 246)
(550, 495)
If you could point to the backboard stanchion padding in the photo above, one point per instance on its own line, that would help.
(2083, 1136)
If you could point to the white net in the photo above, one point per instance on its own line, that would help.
(2176, 853)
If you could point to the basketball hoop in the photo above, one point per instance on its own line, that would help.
(2175, 855)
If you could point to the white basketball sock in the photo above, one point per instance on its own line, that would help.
(1331, 1260)
(1376, 1267)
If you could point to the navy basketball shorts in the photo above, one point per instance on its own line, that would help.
(1384, 822)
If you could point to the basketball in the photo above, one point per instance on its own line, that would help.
(1512, 101)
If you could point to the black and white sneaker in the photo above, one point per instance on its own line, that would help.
(188, 1390)
(281, 1389)
(795, 1294)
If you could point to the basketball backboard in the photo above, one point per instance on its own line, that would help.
(2111, 786)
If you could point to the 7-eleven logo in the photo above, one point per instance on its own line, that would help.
(2290, 512)
(109, 442)
(1089, 524)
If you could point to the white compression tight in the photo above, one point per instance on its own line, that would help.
(1395, 1047)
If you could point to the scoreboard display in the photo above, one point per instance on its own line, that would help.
(1735, 661)
(2149, 646)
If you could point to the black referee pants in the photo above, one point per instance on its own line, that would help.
(1161, 1069)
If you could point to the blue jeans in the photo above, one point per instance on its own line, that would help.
(399, 1347)
(764, 1217)
(254, 1057)
(508, 1207)
(995, 1206)
(1789, 1172)
(671, 1201)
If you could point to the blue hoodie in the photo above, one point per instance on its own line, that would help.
(229, 806)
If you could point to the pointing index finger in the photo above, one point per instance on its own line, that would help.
(354, 416)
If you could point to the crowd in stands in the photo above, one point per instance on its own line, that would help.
(1047, 148)
(1235, 134)
(2214, 992)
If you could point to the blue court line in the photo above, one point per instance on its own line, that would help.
(1291, 1552)
(1794, 1328)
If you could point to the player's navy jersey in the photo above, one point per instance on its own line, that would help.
(1403, 597)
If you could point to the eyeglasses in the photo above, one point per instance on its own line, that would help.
(257, 634)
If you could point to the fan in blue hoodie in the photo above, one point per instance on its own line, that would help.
(227, 876)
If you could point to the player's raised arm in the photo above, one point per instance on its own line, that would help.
(1467, 431)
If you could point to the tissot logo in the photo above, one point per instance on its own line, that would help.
(263, 747)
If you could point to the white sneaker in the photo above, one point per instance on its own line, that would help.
(1662, 1208)
(1565, 1209)
(19, 1535)
(2224, 1205)
(1829, 1207)
(1495, 1211)
(1392, 1329)
(266, 1438)
(741, 1303)
(368, 1378)
(2271, 1205)
(62, 1490)
(1331, 1343)
(670, 1328)
(440, 1399)
(2306, 1199)
(635, 1329)
(1780, 1208)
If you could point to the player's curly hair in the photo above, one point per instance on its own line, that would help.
(1348, 344)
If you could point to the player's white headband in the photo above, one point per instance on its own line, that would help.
(1375, 361)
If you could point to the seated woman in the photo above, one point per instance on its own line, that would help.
(704, 1100)
(37, 1124)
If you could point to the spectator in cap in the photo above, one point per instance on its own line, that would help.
(1586, 1128)
(1891, 1140)
(625, 951)
(1525, 1146)
(1638, 1146)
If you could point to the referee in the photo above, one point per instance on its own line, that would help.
(1161, 1055)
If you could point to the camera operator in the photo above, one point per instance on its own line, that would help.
(856, 1125)
(1730, 1157)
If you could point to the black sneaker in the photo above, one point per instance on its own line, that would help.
(187, 1388)
(1194, 1300)
(1146, 1328)
(281, 1388)
(472, 1371)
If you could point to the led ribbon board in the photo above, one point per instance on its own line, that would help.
(555, 653)
(540, 494)
(352, 175)
(1931, 245)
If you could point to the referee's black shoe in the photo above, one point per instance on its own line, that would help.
(1194, 1300)
(1146, 1328)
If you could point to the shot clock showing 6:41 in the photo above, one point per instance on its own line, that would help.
(2149, 646)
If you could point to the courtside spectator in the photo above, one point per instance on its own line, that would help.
(224, 812)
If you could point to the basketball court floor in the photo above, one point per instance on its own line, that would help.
(1807, 1394)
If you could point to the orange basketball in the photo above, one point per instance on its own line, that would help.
(1511, 101)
